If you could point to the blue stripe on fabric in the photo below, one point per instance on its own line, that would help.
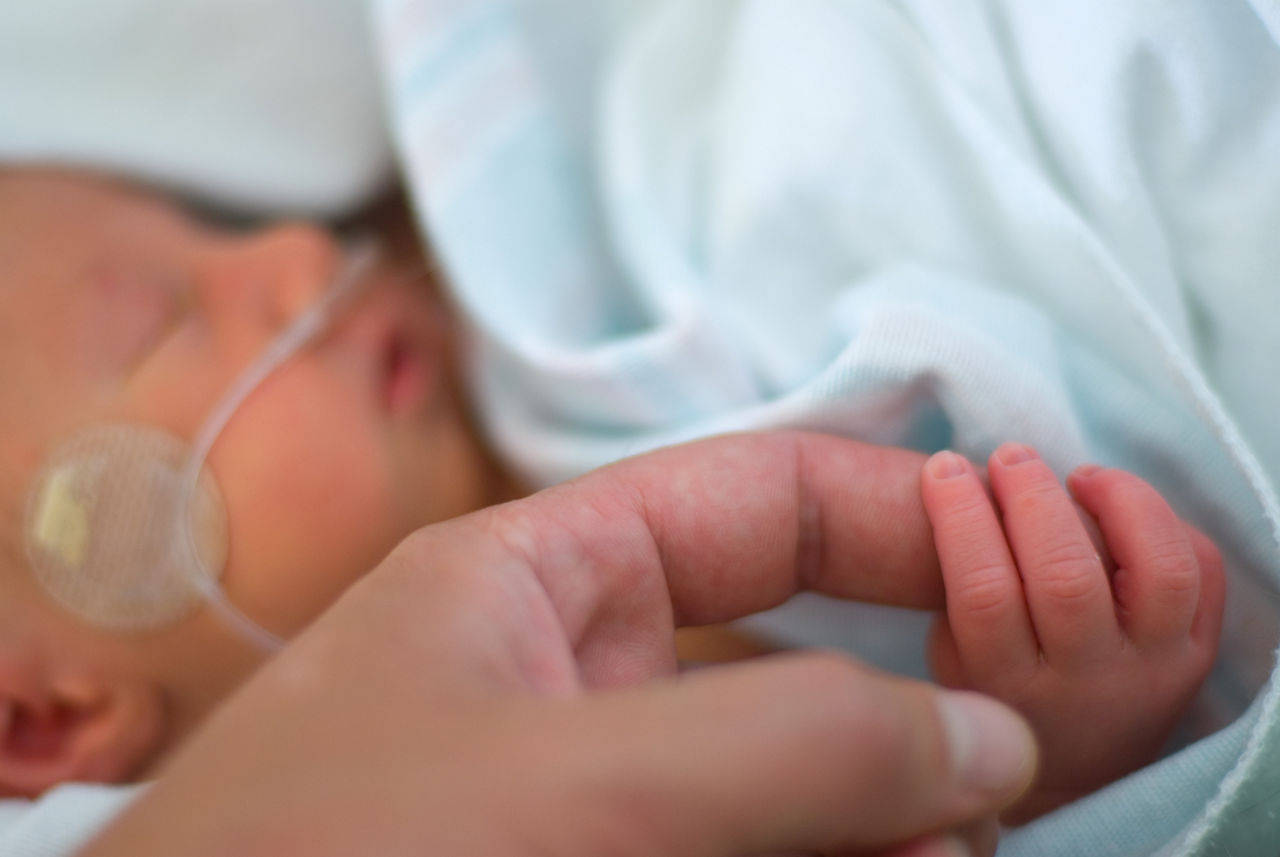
(521, 237)
(471, 34)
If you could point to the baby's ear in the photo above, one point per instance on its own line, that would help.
(61, 725)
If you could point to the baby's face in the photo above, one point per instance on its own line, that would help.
(114, 306)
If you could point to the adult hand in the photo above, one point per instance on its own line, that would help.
(504, 684)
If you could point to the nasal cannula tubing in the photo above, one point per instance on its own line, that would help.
(358, 259)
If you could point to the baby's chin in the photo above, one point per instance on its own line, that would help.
(189, 672)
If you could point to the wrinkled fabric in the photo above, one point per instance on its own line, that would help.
(934, 224)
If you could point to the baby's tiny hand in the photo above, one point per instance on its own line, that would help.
(1102, 662)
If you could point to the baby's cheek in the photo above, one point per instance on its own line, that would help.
(297, 544)
(309, 509)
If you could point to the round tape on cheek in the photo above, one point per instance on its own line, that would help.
(101, 528)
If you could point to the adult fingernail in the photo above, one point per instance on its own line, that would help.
(991, 747)
(1015, 453)
(1085, 470)
(946, 465)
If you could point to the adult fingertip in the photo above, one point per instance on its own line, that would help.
(992, 750)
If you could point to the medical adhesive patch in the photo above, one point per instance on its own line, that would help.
(126, 527)
(104, 528)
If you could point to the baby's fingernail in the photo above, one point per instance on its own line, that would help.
(946, 465)
(1015, 453)
(1085, 470)
(991, 748)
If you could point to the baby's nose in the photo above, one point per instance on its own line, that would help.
(274, 274)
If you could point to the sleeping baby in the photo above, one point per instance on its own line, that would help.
(124, 322)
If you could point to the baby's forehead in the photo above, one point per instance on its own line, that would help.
(27, 185)
(62, 231)
(34, 309)
(51, 211)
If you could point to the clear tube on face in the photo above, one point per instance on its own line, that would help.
(313, 321)
(126, 527)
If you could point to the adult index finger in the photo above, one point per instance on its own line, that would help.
(718, 529)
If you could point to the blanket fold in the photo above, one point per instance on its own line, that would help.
(916, 222)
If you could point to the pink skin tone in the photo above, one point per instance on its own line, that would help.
(1101, 658)
(1102, 674)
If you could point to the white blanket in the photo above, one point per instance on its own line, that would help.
(927, 222)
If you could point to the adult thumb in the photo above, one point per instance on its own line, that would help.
(811, 752)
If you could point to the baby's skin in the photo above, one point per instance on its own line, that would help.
(1101, 649)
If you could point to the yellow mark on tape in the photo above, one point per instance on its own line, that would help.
(61, 521)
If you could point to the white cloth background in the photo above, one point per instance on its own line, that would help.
(913, 221)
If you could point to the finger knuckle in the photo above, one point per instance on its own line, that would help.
(983, 590)
(1031, 497)
(1068, 573)
(1066, 558)
(961, 517)
(1175, 571)
(969, 506)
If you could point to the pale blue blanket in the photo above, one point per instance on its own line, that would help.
(925, 222)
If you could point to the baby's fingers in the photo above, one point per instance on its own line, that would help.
(1157, 579)
(985, 607)
(1068, 593)
(1206, 627)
